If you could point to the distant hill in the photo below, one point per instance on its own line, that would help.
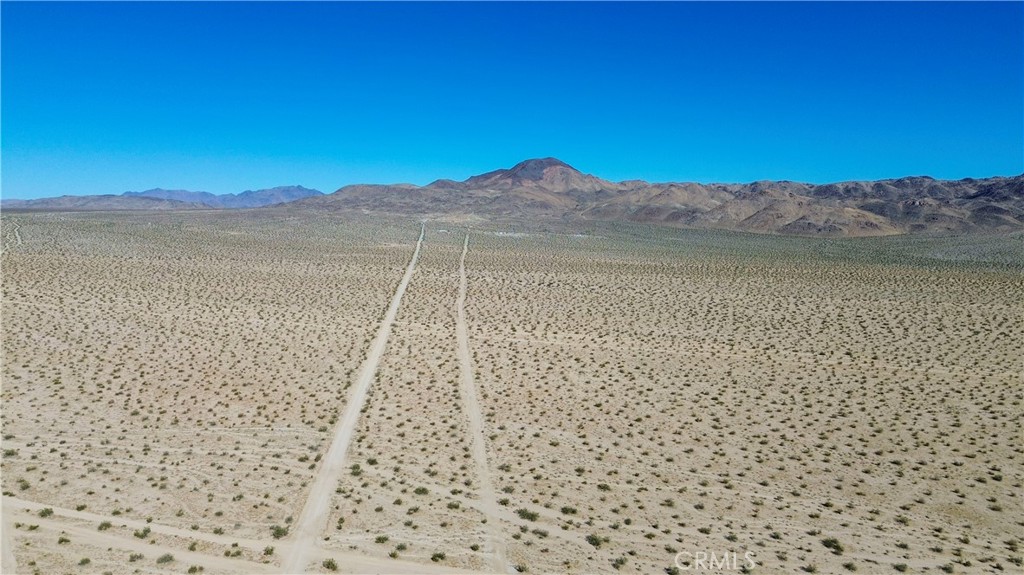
(246, 199)
(203, 198)
(550, 188)
(161, 199)
(107, 202)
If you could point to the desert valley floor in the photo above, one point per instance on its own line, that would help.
(281, 391)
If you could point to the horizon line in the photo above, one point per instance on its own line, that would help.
(4, 197)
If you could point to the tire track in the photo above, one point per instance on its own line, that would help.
(92, 538)
(313, 520)
(354, 561)
(488, 502)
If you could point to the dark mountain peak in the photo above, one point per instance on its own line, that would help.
(539, 174)
(534, 169)
(528, 171)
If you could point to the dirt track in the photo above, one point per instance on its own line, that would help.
(313, 520)
(488, 502)
(27, 512)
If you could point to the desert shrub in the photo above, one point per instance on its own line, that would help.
(833, 544)
(527, 514)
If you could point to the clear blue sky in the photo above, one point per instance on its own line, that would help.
(223, 97)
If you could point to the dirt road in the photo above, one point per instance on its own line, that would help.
(488, 502)
(27, 511)
(313, 520)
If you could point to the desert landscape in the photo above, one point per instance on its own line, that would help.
(550, 288)
(295, 390)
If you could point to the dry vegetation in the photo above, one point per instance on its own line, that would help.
(181, 371)
(713, 392)
(171, 381)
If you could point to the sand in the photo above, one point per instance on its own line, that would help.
(260, 392)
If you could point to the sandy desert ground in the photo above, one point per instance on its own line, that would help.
(250, 392)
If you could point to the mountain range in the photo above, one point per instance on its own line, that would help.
(548, 188)
(161, 199)
(246, 199)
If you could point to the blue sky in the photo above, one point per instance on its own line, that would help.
(223, 97)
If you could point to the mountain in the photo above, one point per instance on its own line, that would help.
(542, 187)
(271, 196)
(161, 199)
(205, 198)
(246, 199)
(107, 202)
(547, 174)
(550, 188)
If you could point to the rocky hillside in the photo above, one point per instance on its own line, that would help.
(549, 188)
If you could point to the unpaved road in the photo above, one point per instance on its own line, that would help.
(313, 520)
(488, 502)
(348, 562)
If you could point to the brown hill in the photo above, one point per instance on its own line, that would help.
(550, 188)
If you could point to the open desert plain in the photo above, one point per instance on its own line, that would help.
(549, 288)
(293, 391)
